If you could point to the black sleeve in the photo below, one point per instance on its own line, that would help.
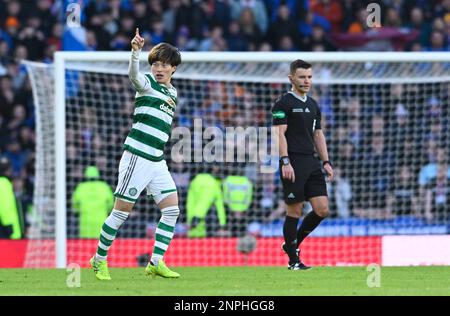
(318, 118)
(279, 113)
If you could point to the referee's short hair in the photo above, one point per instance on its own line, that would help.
(299, 64)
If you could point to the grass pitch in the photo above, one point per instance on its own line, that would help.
(233, 281)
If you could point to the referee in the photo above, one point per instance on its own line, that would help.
(297, 118)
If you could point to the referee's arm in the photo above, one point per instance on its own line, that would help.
(321, 147)
(286, 171)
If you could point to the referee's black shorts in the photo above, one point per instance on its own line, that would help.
(309, 179)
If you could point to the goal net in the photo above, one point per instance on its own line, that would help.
(386, 121)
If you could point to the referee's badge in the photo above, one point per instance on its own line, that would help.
(278, 114)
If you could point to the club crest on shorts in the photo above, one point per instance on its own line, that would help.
(132, 191)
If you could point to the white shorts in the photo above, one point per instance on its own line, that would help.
(137, 173)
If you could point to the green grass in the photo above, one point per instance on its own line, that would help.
(230, 281)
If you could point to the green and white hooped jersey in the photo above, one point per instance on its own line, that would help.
(152, 120)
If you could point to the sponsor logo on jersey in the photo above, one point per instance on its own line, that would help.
(297, 110)
(166, 109)
(291, 196)
(307, 110)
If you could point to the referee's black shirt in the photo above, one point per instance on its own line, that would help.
(301, 118)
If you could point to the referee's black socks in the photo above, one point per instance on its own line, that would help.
(309, 223)
(290, 237)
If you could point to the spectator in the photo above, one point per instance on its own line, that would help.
(24, 202)
(341, 193)
(17, 119)
(26, 139)
(286, 44)
(377, 125)
(265, 47)
(437, 196)
(429, 171)
(355, 133)
(198, 204)
(14, 9)
(169, 16)
(294, 6)
(418, 23)
(377, 172)
(195, 16)
(16, 155)
(250, 30)
(43, 11)
(4, 57)
(214, 41)
(184, 42)
(33, 38)
(257, 8)
(393, 18)
(347, 7)
(128, 26)
(305, 26)
(157, 33)
(55, 38)
(10, 224)
(6, 96)
(447, 25)
(235, 39)
(402, 199)
(104, 28)
(317, 39)
(437, 42)
(92, 200)
(154, 8)
(284, 25)
(331, 10)
(12, 26)
(238, 196)
(347, 160)
(438, 25)
(359, 25)
(91, 41)
(414, 46)
(221, 14)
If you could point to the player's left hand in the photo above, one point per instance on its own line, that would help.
(329, 171)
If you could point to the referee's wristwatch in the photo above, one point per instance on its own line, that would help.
(285, 160)
(327, 162)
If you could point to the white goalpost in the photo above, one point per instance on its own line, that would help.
(385, 115)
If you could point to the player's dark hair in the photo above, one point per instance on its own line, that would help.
(299, 64)
(165, 53)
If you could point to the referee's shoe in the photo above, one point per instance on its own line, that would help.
(297, 265)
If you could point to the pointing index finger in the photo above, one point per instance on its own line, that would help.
(137, 32)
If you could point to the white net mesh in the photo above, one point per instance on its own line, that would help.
(41, 247)
(387, 127)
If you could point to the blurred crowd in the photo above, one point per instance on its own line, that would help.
(34, 30)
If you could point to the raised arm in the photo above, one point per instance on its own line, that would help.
(140, 83)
